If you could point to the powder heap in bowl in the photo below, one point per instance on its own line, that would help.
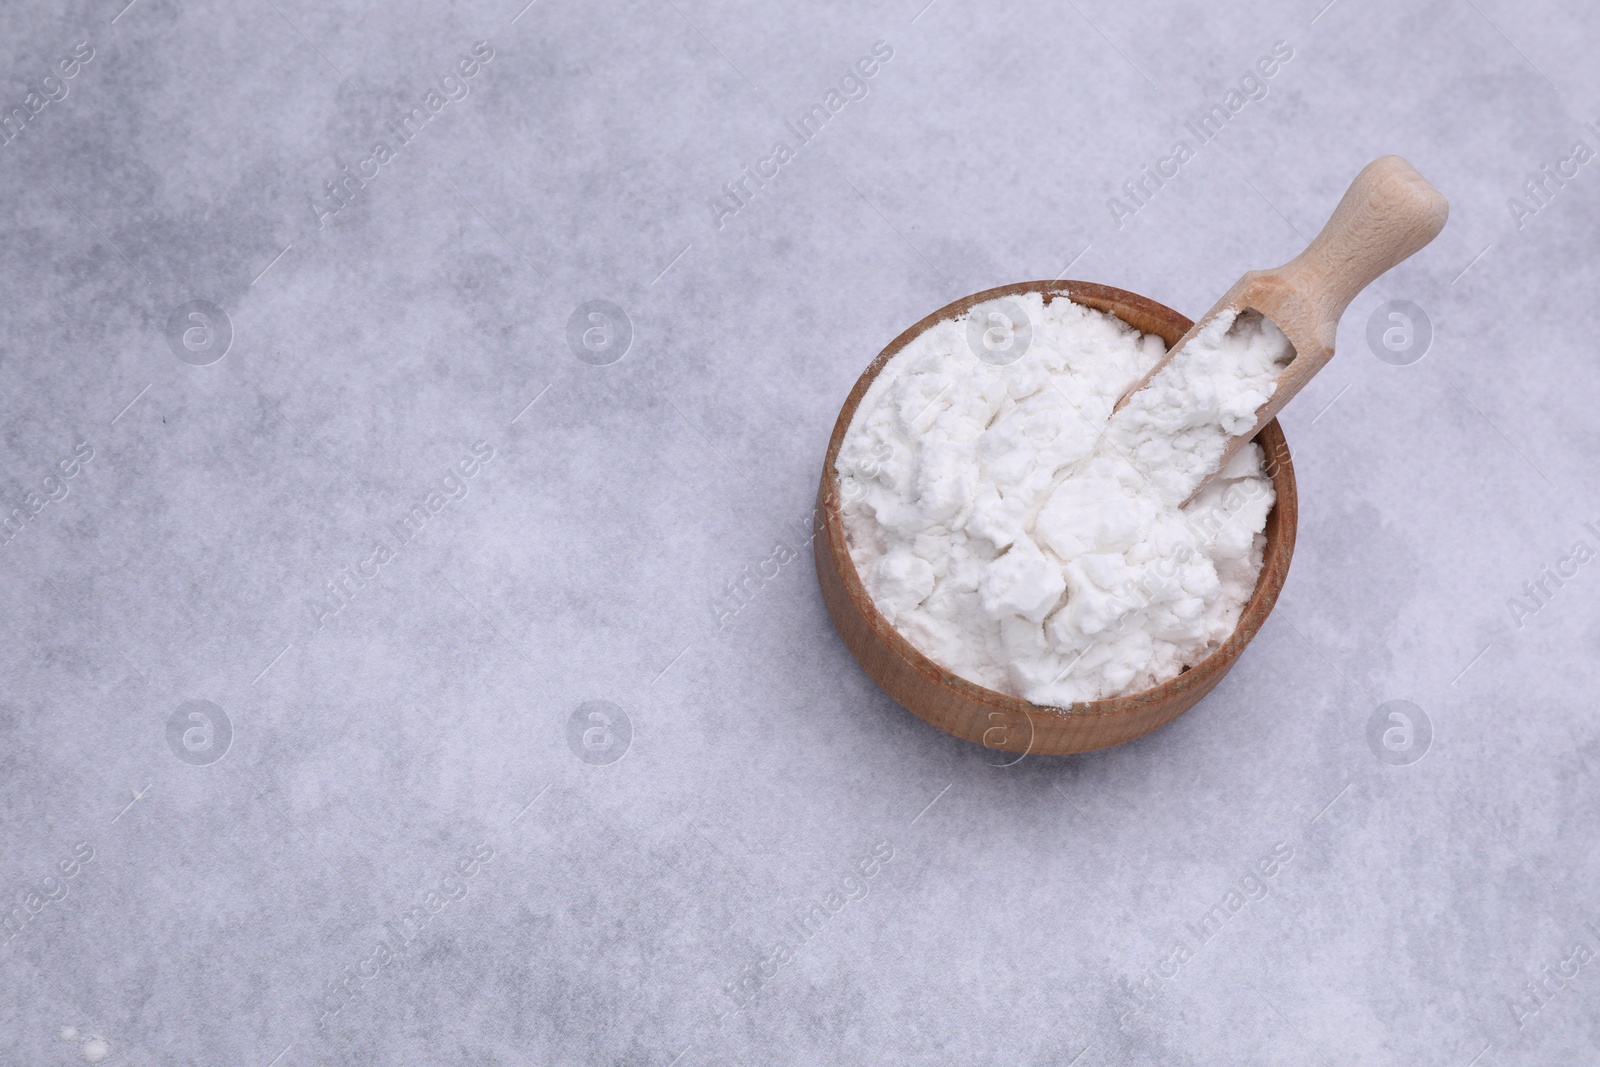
(1020, 535)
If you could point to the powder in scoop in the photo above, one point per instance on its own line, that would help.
(1020, 535)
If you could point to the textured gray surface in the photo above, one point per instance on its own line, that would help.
(1047, 912)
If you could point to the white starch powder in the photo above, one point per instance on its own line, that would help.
(1018, 534)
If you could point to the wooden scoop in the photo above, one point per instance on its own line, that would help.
(1388, 213)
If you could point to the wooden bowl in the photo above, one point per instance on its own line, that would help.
(979, 714)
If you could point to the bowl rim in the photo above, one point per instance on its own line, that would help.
(1145, 315)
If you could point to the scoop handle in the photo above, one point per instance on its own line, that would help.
(1389, 213)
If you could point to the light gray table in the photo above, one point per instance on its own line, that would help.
(273, 796)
